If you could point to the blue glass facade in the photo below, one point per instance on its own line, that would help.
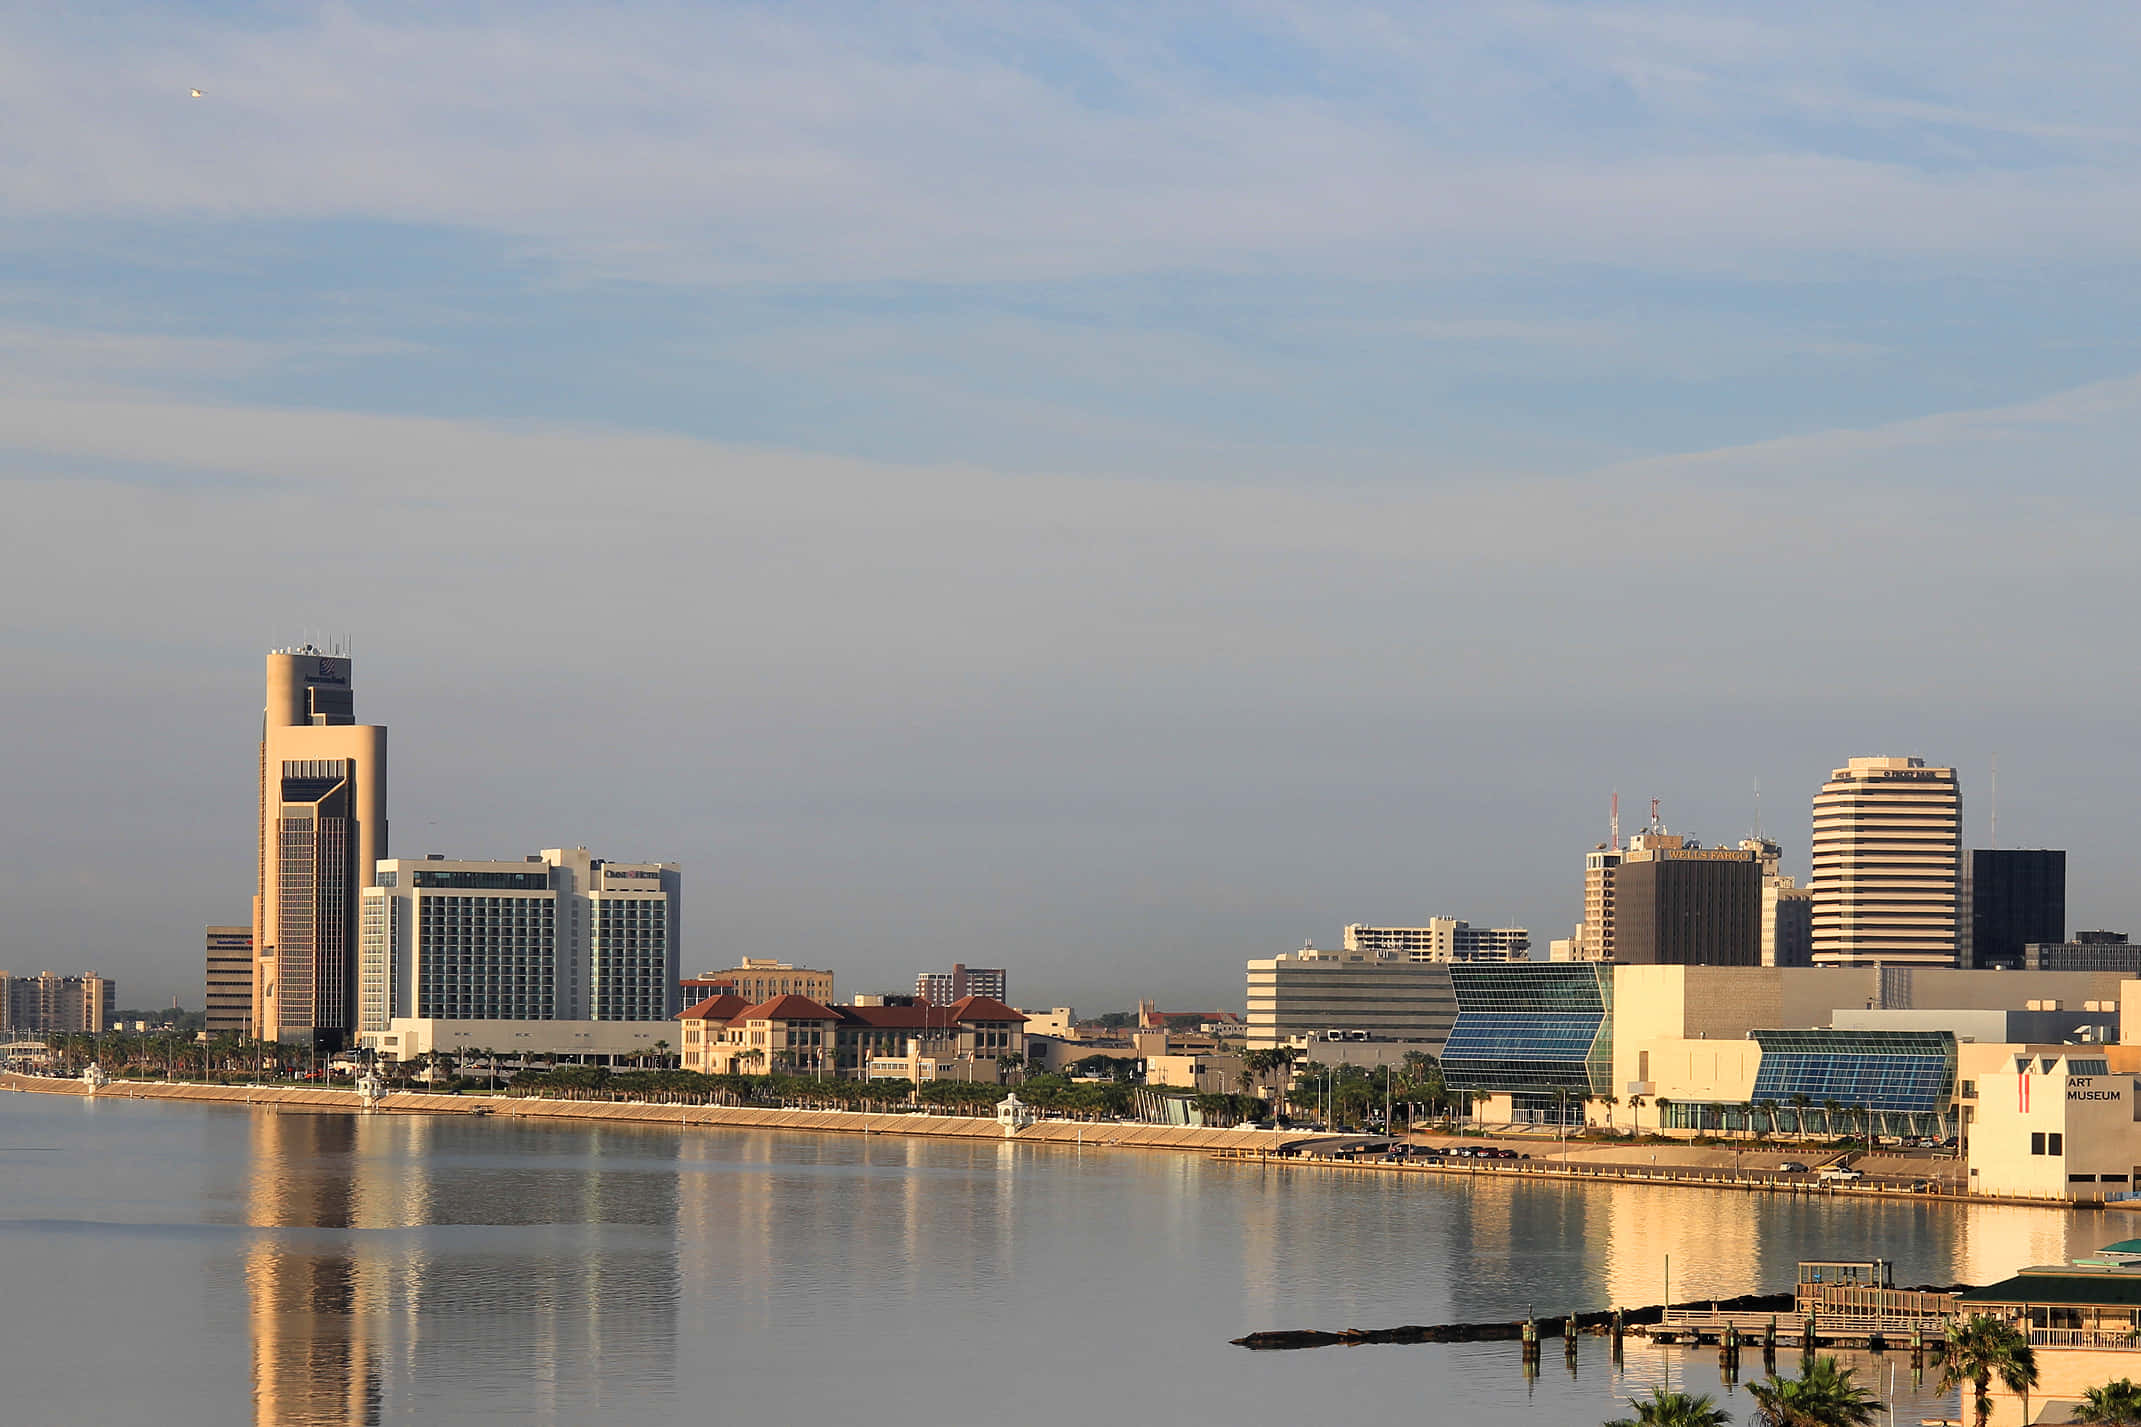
(1531, 1028)
(1912, 1072)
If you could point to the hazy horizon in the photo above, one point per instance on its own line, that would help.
(1102, 491)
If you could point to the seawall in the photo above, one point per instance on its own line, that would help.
(1060, 1132)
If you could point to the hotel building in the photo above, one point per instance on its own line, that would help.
(558, 936)
(1441, 939)
(944, 987)
(322, 829)
(47, 1002)
(1887, 866)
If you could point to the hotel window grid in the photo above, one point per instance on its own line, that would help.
(630, 945)
(486, 958)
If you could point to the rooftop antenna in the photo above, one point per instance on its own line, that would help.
(1616, 820)
(1995, 833)
(1758, 810)
(1655, 825)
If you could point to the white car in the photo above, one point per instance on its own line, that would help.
(1839, 1174)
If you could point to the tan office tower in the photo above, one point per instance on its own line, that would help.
(1887, 864)
(322, 831)
(1596, 940)
(230, 981)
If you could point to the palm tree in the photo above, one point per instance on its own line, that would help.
(1663, 1105)
(1822, 1396)
(2115, 1404)
(1674, 1409)
(1610, 1102)
(1982, 1347)
(1635, 1112)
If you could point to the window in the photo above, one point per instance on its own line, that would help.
(2058, 1144)
(2036, 1143)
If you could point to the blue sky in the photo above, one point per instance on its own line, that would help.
(1097, 488)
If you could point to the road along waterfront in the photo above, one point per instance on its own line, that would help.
(1076, 1133)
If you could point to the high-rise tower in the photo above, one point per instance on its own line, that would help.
(322, 830)
(1887, 864)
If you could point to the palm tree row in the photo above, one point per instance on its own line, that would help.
(1056, 1093)
(1825, 1395)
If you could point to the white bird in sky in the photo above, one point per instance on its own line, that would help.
(196, 93)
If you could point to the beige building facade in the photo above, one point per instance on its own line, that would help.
(1440, 939)
(2053, 1122)
(230, 981)
(1343, 996)
(591, 1042)
(51, 1002)
(1206, 1074)
(796, 1035)
(1887, 865)
(321, 829)
(760, 978)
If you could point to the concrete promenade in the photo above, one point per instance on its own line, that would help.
(1698, 1172)
(1091, 1134)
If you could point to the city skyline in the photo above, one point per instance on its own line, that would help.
(1186, 980)
(1073, 483)
(1567, 890)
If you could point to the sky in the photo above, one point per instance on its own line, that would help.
(1105, 491)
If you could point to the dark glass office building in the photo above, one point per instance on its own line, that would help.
(2016, 896)
(1678, 911)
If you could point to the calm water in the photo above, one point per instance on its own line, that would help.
(205, 1265)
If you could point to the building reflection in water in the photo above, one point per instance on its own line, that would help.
(313, 1362)
(406, 1261)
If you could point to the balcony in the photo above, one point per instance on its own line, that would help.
(2110, 1339)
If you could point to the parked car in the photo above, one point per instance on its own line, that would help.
(1839, 1174)
(1791, 1166)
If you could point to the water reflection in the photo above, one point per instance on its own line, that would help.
(313, 1362)
(410, 1262)
(399, 1270)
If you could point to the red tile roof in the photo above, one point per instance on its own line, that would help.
(982, 1008)
(918, 1017)
(790, 1007)
(713, 1008)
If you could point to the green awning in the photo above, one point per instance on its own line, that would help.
(2077, 1290)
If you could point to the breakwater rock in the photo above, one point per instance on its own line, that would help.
(1546, 1326)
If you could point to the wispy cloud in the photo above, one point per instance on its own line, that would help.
(828, 143)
